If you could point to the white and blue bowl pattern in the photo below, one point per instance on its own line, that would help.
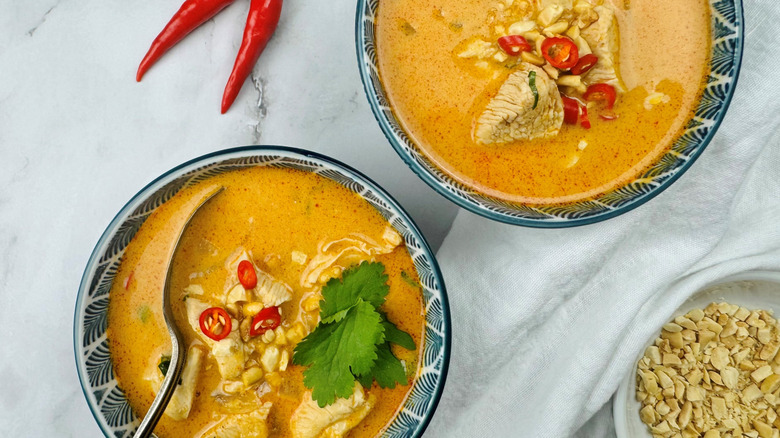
(725, 59)
(93, 360)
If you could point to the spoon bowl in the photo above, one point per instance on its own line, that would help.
(178, 352)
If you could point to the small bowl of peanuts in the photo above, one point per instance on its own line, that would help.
(713, 370)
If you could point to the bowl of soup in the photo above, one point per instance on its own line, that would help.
(309, 304)
(549, 113)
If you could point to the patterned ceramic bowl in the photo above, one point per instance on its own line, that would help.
(725, 59)
(93, 359)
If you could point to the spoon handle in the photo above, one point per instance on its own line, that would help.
(178, 353)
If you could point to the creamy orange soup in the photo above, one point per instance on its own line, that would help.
(437, 95)
(283, 221)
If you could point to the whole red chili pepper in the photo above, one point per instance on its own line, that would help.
(192, 14)
(260, 25)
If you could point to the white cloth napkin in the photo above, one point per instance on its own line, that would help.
(546, 323)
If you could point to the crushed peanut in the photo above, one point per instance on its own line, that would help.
(713, 372)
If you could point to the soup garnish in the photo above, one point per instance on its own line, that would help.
(352, 340)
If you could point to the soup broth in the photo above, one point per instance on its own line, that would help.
(279, 219)
(437, 95)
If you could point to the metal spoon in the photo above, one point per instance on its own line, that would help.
(178, 353)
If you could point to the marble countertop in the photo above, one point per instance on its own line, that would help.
(79, 137)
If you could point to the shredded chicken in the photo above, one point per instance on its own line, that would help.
(602, 37)
(228, 352)
(181, 401)
(333, 421)
(511, 114)
(245, 425)
(339, 254)
(269, 291)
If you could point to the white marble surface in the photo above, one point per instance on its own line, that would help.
(79, 137)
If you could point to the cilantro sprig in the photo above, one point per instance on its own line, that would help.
(352, 340)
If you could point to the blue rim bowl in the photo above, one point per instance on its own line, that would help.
(725, 59)
(93, 360)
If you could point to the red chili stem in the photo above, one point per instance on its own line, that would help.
(192, 14)
(260, 25)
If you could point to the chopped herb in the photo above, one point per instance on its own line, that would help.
(165, 362)
(352, 340)
(456, 27)
(407, 28)
(411, 368)
(144, 313)
(184, 298)
(532, 84)
(408, 279)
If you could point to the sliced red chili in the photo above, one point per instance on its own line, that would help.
(129, 278)
(571, 110)
(514, 44)
(601, 92)
(215, 323)
(560, 52)
(268, 319)
(584, 64)
(247, 275)
(584, 121)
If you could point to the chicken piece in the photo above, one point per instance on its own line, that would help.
(333, 257)
(228, 352)
(510, 115)
(181, 401)
(245, 425)
(479, 49)
(269, 291)
(334, 421)
(603, 39)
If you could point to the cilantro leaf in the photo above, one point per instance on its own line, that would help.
(336, 317)
(352, 340)
(387, 370)
(397, 336)
(333, 352)
(366, 281)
